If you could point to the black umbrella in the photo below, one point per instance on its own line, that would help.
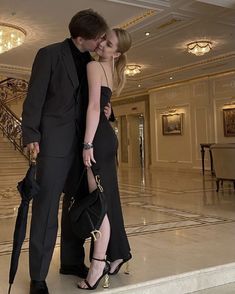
(28, 189)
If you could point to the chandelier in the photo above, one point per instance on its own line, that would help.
(132, 69)
(199, 48)
(10, 37)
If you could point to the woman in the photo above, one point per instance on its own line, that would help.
(100, 147)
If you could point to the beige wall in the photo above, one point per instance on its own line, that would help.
(201, 101)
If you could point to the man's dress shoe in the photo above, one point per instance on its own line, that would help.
(80, 271)
(38, 287)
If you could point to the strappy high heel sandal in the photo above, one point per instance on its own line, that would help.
(104, 274)
(117, 269)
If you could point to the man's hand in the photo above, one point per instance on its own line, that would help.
(107, 110)
(33, 149)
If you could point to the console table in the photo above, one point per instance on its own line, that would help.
(203, 146)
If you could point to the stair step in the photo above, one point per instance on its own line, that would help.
(12, 166)
(11, 159)
(10, 170)
(9, 151)
(182, 283)
(12, 154)
(7, 181)
(6, 146)
(4, 141)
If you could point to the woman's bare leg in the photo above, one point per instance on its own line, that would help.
(114, 264)
(100, 245)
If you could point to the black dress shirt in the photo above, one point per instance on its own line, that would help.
(80, 59)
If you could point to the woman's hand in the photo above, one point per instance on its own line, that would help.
(88, 157)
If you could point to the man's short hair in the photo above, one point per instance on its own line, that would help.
(87, 24)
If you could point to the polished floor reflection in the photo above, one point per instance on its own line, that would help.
(176, 222)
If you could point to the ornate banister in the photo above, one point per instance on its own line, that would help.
(10, 125)
(12, 89)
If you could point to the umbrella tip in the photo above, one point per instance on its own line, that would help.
(9, 289)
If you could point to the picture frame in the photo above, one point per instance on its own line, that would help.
(172, 124)
(229, 122)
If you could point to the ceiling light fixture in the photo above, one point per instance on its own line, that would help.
(132, 69)
(199, 48)
(147, 33)
(10, 37)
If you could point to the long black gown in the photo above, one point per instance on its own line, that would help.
(105, 149)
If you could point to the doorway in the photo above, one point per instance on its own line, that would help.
(131, 136)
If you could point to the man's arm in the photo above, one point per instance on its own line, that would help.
(33, 104)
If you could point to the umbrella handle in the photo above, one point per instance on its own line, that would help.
(9, 289)
(33, 156)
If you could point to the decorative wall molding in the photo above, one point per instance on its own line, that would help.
(204, 118)
(205, 129)
(161, 140)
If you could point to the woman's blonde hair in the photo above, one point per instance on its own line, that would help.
(124, 44)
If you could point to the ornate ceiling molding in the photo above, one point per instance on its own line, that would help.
(166, 25)
(149, 4)
(222, 3)
(171, 71)
(202, 77)
(138, 19)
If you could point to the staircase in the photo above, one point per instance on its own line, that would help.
(13, 164)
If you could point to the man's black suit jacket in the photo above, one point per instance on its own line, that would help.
(54, 110)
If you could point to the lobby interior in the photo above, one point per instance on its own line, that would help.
(178, 101)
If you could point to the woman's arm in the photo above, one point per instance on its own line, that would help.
(93, 110)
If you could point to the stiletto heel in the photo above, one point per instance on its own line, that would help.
(127, 270)
(117, 269)
(104, 274)
(106, 281)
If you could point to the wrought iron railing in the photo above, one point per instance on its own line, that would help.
(10, 125)
(12, 89)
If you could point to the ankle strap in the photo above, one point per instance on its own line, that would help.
(98, 259)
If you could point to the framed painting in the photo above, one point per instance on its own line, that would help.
(172, 124)
(229, 122)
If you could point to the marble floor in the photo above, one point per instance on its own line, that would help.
(178, 225)
(225, 289)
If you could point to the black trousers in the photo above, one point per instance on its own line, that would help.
(52, 173)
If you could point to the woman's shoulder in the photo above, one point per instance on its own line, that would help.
(93, 64)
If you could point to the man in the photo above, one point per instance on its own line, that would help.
(52, 122)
